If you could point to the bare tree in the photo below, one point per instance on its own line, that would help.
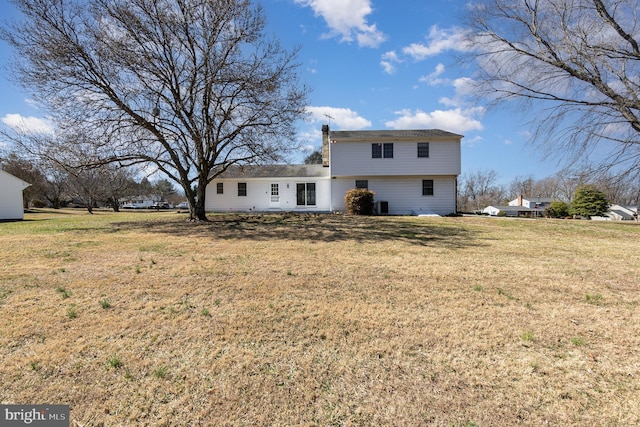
(580, 60)
(190, 86)
(478, 190)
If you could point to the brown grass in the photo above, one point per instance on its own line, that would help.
(321, 320)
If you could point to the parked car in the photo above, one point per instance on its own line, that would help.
(183, 205)
(132, 206)
(161, 205)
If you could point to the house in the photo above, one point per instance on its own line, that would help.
(11, 205)
(534, 203)
(529, 207)
(411, 172)
(622, 213)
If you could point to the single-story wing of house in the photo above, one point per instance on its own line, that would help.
(11, 204)
(411, 172)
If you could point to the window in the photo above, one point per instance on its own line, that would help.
(423, 149)
(427, 187)
(306, 194)
(220, 188)
(362, 183)
(275, 193)
(387, 151)
(379, 150)
(376, 151)
(242, 189)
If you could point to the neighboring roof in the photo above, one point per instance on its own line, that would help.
(17, 180)
(513, 208)
(390, 134)
(275, 171)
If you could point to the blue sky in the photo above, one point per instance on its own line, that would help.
(371, 64)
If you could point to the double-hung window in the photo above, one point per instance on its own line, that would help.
(423, 149)
(427, 187)
(362, 183)
(219, 188)
(242, 189)
(380, 150)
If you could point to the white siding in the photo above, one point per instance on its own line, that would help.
(11, 196)
(354, 158)
(404, 194)
(258, 196)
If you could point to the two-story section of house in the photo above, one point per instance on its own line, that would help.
(411, 172)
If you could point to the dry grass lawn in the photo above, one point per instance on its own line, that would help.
(140, 319)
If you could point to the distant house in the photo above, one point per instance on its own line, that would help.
(530, 207)
(622, 213)
(11, 204)
(411, 172)
(537, 203)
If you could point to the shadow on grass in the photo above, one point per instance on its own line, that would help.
(314, 227)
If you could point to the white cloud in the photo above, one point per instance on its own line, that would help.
(28, 124)
(342, 118)
(388, 61)
(463, 86)
(434, 79)
(347, 19)
(454, 120)
(438, 41)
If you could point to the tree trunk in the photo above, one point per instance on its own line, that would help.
(201, 191)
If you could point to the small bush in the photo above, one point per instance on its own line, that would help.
(359, 201)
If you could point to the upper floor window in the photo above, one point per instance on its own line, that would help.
(423, 149)
(427, 187)
(220, 188)
(242, 189)
(379, 150)
(362, 183)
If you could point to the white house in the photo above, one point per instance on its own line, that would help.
(536, 203)
(411, 172)
(11, 206)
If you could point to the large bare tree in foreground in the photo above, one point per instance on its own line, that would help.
(579, 60)
(189, 86)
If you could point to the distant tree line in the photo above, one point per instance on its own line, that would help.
(54, 185)
(477, 190)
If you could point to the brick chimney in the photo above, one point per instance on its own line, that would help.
(520, 200)
(325, 146)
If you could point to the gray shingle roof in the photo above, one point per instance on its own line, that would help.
(275, 171)
(389, 133)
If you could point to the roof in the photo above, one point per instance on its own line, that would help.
(513, 208)
(275, 171)
(17, 180)
(391, 134)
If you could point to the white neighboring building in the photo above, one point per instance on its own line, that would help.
(11, 205)
(622, 213)
(411, 172)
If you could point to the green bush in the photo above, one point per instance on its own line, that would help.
(588, 201)
(557, 209)
(359, 201)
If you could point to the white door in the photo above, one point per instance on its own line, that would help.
(274, 202)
